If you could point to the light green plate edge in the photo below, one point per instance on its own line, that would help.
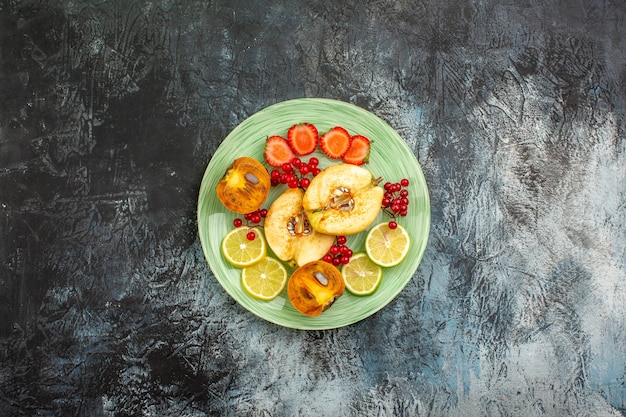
(390, 158)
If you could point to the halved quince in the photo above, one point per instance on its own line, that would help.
(314, 287)
(244, 186)
(289, 233)
(343, 199)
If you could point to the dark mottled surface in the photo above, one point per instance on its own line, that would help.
(110, 111)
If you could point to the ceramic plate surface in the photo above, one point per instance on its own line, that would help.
(390, 158)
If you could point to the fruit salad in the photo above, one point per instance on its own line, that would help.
(307, 225)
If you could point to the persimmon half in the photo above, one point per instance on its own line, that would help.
(244, 186)
(314, 287)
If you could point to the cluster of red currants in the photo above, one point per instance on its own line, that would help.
(339, 253)
(294, 173)
(252, 219)
(396, 200)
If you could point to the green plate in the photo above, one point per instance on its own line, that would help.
(390, 158)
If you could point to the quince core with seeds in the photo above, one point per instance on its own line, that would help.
(343, 199)
(288, 231)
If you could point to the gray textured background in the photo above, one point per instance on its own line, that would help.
(110, 112)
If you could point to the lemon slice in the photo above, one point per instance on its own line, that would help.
(240, 251)
(265, 279)
(387, 247)
(361, 275)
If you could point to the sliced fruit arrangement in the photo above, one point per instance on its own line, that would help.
(307, 226)
(262, 276)
(304, 138)
(361, 275)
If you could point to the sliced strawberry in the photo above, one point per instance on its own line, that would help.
(277, 151)
(336, 142)
(359, 151)
(302, 138)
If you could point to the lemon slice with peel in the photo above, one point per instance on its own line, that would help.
(265, 279)
(385, 246)
(240, 251)
(361, 275)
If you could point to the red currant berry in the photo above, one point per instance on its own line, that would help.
(387, 186)
(334, 250)
(255, 218)
(275, 174)
(315, 171)
(393, 225)
(386, 202)
(263, 213)
(274, 182)
(337, 261)
(328, 258)
(293, 183)
(304, 169)
(251, 236)
(344, 250)
(296, 162)
(305, 182)
(404, 193)
(237, 222)
(404, 182)
(314, 161)
(342, 240)
(283, 178)
(345, 259)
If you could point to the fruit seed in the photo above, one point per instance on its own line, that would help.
(321, 278)
(251, 178)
